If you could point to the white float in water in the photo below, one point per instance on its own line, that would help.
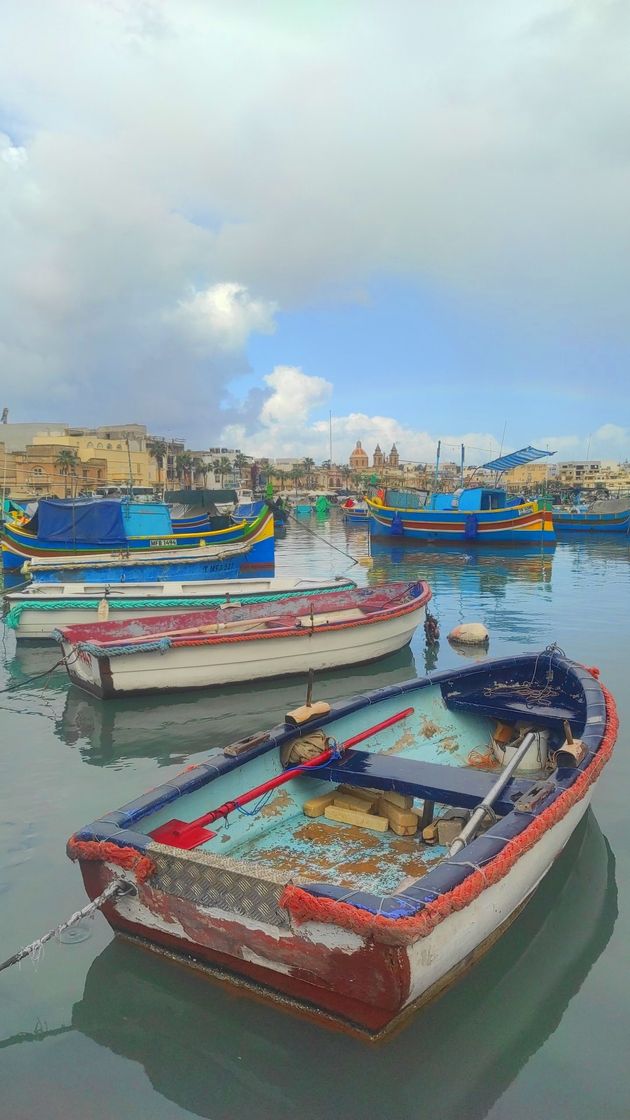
(470, 634)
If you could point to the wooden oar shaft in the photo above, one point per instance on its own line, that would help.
(209, 628)
(288, 775)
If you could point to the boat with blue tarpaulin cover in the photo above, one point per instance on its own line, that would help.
(92, 528)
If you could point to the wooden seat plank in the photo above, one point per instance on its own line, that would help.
(460, 786)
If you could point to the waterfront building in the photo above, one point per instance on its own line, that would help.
(359, 460)
(123, 447)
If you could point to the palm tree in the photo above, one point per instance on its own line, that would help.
(240, 462)
(307, 467)
(184, 466)
(157, 449)
(199, 469)
(66, 463)
(296, 474)
(222, 467)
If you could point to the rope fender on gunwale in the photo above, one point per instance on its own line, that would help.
(305, 907)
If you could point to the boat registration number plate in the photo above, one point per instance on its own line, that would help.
(163, 542)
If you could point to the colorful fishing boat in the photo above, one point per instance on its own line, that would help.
(606, 516)
(475, 516)
(355, 512)
(469, 784)
(90, 529)
(37, 610)
(169, 1016)
(207, 648)
(251, 553)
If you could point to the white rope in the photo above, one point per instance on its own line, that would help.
(36, 947)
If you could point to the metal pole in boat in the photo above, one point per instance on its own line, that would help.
(437, 464)
(471, 826)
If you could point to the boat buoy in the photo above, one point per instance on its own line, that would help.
(366, 561)
(470, 634)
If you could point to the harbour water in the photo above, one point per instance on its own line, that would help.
(100, 1029)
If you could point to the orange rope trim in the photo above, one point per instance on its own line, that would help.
(304, 907)
(102, 850)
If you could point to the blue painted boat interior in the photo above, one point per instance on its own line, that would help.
(427, 755)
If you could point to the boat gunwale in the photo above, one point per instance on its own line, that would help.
(343, 907)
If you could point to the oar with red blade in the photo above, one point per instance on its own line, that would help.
(190, 834)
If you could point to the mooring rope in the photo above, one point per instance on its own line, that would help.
(34, 950)
(35, 677)
(322, 539)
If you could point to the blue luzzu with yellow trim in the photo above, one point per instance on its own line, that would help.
(474, 516)
(88, 532)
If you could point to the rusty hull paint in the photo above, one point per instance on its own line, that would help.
(366, 987)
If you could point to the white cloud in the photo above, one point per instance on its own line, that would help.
(144, 189)
(294, 395)
(607, 441)
(223, 315)
(285, 426)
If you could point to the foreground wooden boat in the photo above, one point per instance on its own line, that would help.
(253, 552)
(206, 648)
(475, 516)
(169, 1016)
(40, 608)
(361, 924)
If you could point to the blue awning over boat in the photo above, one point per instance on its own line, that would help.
(516, 459)
(81, 521)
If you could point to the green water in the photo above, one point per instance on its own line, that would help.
(99, 1029)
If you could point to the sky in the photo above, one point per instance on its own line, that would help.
(234, 222)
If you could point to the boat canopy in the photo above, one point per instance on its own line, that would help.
(516, 459)
(104, 522)
(84, 522)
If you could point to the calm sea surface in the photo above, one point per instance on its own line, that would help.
(101, 1030)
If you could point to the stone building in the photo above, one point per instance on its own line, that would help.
(359, 459)
(378, 459)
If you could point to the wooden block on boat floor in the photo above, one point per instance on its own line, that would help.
(367, 795)
(401, 818)
(449, 830)
(316, 805)
(401, 800)
(404, 829)
(351, 816)
(349, 802)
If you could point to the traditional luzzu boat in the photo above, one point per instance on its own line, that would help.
(40, 608)
(387, 843)
(610, 516)
(240, 643)
(90, 529)
(475, 516)
(252, 552)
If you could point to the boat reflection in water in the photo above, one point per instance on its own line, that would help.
(172, 728)
(213, 1053)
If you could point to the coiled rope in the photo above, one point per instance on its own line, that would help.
(34, 950)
